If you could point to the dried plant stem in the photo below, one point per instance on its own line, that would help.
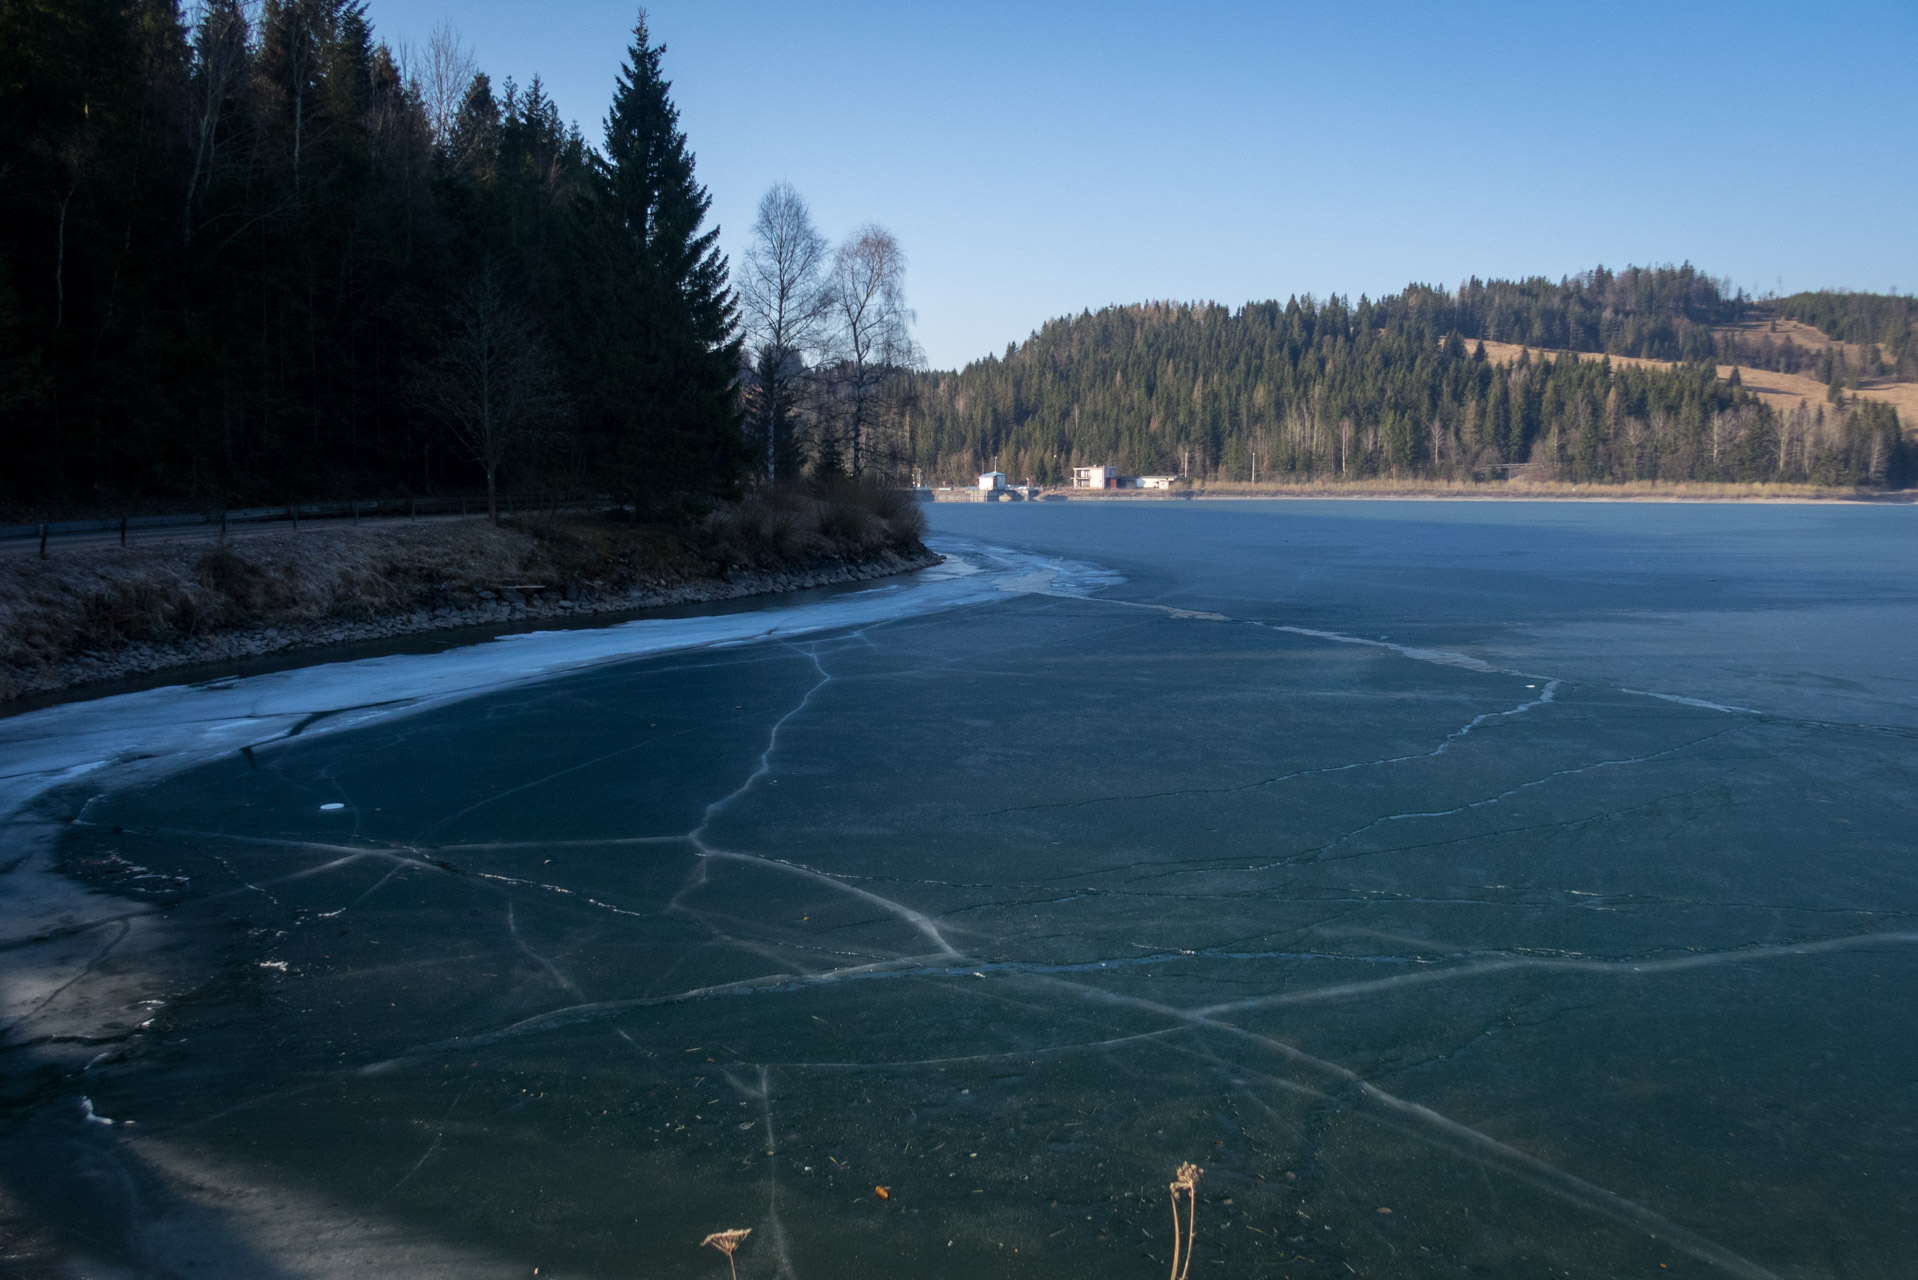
(1175, 1234)
(728, 1242)
(1188, 1183)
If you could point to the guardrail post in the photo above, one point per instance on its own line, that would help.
(412, 508)
(223, 524)
(293, 514)
(123, 531)
(356, 511)
(43, 542)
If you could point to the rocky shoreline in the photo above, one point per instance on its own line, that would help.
(479, 608)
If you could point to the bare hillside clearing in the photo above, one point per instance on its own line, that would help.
(1782, 391)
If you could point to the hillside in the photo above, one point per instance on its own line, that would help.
(1399, 388)
(1782, 391)
(1887, 321)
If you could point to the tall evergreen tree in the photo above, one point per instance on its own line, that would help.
(668, 398)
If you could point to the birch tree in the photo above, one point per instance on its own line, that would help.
(873, 339)
(220, 64)
(442, 78)
(785, 302)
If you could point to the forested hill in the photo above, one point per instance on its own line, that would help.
(1397, 388)
(252, 252)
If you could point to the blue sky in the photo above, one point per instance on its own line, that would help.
(1038, 159)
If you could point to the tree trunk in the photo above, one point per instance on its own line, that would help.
(492, 495)
(299, 121)
(60, 261)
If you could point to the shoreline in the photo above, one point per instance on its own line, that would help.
(132, 663)
(1727, 494)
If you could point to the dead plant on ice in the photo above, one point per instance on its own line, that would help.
(1187, 1183)
(728, 1242)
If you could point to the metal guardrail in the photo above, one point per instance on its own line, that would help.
(391, 508)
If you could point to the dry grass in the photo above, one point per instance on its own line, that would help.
(1782, 391)
(101, 598)
(783, 529)
(98, 599)
(1802, 334)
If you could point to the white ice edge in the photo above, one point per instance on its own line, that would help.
(165, 730)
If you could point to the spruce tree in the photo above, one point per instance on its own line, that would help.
(668, 401)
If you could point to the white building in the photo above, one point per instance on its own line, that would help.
(1156, 482)
(1095, 477)
(993, 481)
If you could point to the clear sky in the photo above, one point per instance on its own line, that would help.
(1036, 159)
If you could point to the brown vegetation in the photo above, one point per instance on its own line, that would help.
(1784, 392)
(90, 602)
(728, 1242)
(1185, 1183)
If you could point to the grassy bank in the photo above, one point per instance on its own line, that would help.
(103, 613)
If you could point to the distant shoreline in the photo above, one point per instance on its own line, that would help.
(1800, 495)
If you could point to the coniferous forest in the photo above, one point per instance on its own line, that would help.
(1399, 388)
(263, 255)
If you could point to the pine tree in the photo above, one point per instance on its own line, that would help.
(668, 402)
(473, 144)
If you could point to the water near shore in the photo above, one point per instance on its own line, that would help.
(1484, 889)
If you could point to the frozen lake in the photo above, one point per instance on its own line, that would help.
(1472, 889)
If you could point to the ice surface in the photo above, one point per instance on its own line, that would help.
(1499, 868)
(179, 725)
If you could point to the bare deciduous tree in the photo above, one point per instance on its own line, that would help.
(873, 343)
(441, 78)
(70, 167)
(492, 382)
(221, 32)
(784, 301)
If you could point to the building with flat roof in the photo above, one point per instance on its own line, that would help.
(1108, 477)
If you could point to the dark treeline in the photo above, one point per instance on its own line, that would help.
(1662, 313)
(1326, 391)
(261, 255)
